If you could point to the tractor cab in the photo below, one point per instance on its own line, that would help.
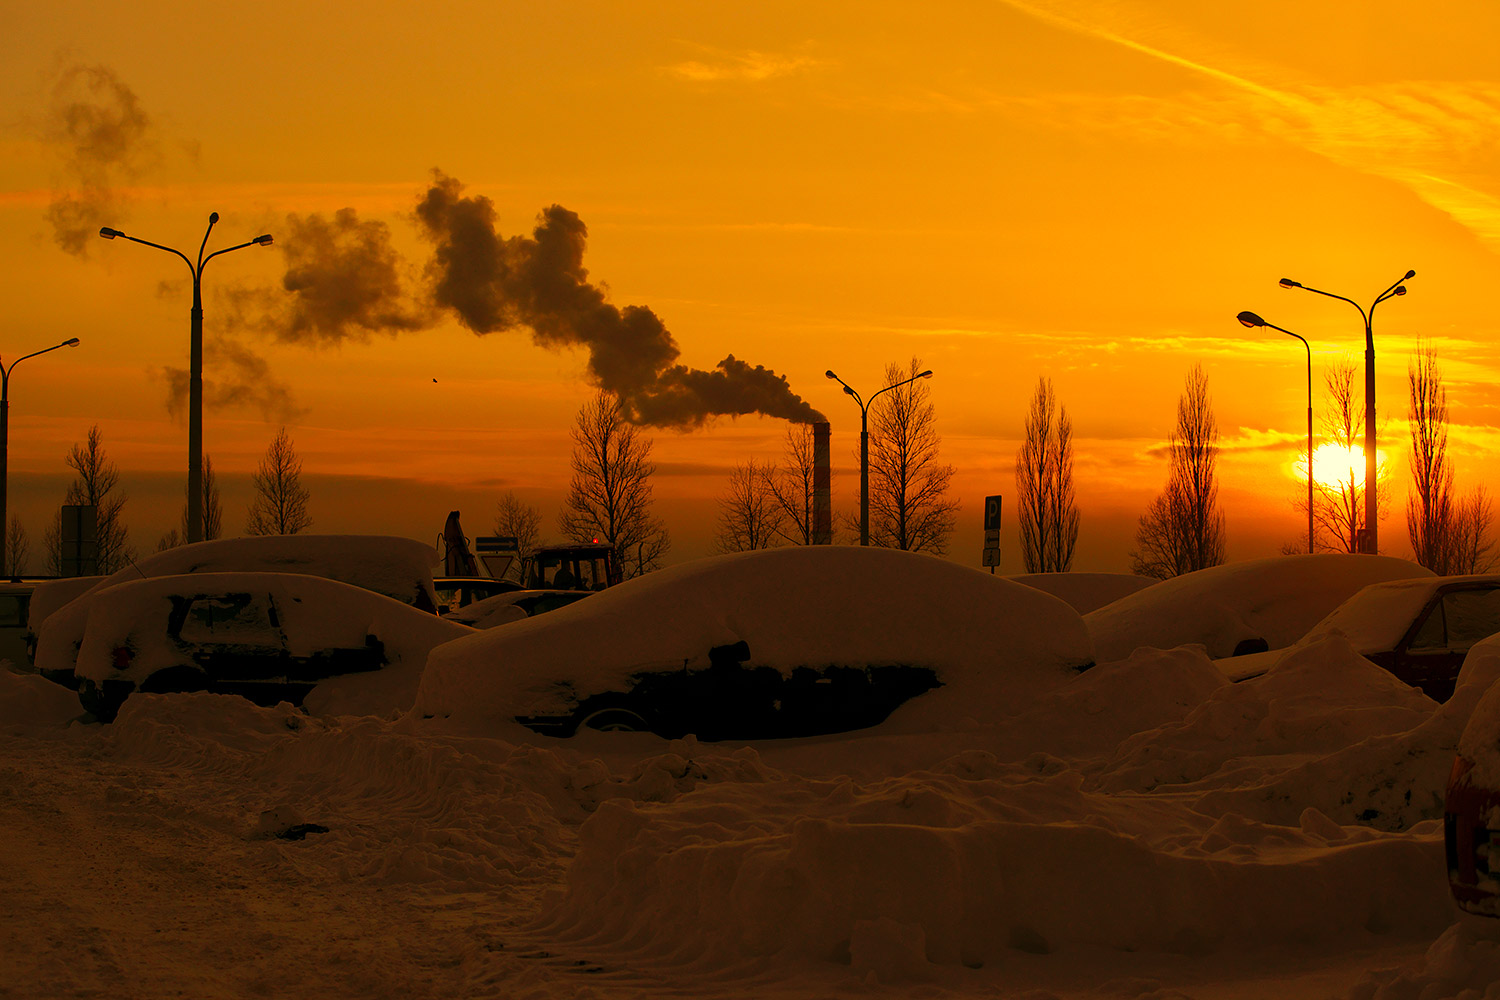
(571, 567)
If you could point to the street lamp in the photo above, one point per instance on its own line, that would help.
(5, 371)
(1372, 512)
(1251, 320)
(195, 365)
(864, 446)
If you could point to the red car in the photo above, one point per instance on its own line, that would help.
(1471, 834)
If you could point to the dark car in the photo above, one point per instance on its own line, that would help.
(269, 637)
(1419, 629)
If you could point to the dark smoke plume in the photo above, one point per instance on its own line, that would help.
(539, 282)
(343, 281)
(235, 378)
(96, 123)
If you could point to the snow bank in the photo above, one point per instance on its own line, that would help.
(1318, 698)
(969, 864)
(1277, 600)
(27, 700)
(994, 643)
(1086, 592)
(1391, 780)
(1462, 964)
(1480, 741)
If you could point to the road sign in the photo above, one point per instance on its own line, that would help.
(991, 514)
(992, 557)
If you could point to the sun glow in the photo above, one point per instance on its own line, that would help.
(1334, 464)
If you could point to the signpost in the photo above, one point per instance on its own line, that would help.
(80, 540)
(991, 533)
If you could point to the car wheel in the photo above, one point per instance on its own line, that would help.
(610, 719)
(102, 701)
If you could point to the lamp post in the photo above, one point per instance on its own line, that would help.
(195, 365)
(1251, 320)
(1372, 511)
(864, 446)
(5, 371)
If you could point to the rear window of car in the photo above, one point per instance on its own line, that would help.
(1471, 615)
(217, 617)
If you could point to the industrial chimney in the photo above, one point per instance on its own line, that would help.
(822, 526)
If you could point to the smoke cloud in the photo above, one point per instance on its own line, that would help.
(539, 282)
(344, 281)
(103, 136)
(240, 379)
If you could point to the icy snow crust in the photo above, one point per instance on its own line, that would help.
(994, 644)
(1143, 829)
(1277, 599)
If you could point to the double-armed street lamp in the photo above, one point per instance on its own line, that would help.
(1251, 320)
(864, 446)
(5, 371)
(195, 365)
(1372, 511)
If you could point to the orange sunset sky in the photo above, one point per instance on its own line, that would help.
(1085, 190)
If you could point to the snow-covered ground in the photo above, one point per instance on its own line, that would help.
(1144, 829)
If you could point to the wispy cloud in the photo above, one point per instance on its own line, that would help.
(1434, 137)
(717, 65)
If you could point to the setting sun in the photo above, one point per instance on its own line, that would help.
(1334, 464)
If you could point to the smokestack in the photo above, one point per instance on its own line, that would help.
(822, 506)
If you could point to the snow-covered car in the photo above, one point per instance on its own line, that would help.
(1419, 629)
(269, 637)
(1238, 608)
(47, 597)
(398, 568)
(796, 641)
(455, 592)
(15, 600)
(512, 606)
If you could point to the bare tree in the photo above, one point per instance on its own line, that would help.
(1339, 500)
(96, 485)
(1470, 546)
(1183, 528)
(514, 518)
(750, 515)
(609, 497)
(1046, 507)
(909, 503)
(1448, 536)
(17, 548)
(213, 513)
(791, 485)
(52, 545)
(1429, 504)
(280, 504)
